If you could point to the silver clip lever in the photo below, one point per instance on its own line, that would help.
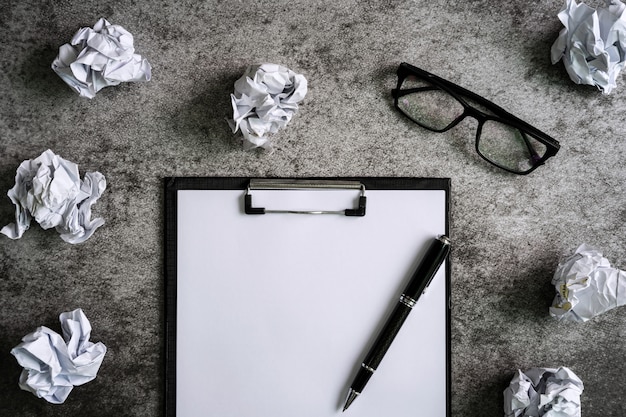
(297, 184)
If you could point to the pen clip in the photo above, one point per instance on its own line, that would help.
(445, 240)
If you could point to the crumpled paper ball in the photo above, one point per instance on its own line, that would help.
(592, 44)
(586, 285)
(100, 57)
(49, 189)
(546, 392)
(53, 365)
(265, 99)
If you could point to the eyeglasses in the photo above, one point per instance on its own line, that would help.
(501, 138)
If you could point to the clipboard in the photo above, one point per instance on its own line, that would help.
(276, 288)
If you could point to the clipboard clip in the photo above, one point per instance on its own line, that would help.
(298, 184)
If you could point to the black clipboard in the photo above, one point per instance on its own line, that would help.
(274, 293)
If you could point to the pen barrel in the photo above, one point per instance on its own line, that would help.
(387, 334)
(428, 267)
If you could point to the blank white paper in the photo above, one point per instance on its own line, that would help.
(275, 312)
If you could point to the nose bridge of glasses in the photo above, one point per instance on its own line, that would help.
(470, 107)
(475, 113)
(471, 112)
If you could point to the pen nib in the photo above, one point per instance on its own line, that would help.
(351, 397)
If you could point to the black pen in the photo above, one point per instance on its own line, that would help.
(428, 267)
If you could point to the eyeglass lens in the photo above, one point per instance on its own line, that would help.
(498, 142)
(508, 147)
(428, 105)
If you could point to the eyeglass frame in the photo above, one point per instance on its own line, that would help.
(499, 114)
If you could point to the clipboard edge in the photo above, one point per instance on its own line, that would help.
(174, 184)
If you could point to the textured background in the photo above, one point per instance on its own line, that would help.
(509, 231)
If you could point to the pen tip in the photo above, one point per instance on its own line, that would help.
(351, 397)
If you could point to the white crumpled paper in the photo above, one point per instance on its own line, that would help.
(543, 392)
(592, 44)
(53, 365)
(49, 189)
(100, 57)
(265, 99)
(586, 286)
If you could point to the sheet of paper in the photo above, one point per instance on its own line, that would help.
(49, 189)
(100, 57)
(265, 99)
(543, 392)
(53, 365)
(591, 44)
(274, 317)
(586, 286)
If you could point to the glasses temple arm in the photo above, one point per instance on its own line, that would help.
(534, 156)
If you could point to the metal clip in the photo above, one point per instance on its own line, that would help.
(297, 184)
